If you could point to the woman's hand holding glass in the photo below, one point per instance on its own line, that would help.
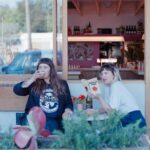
(37, 75)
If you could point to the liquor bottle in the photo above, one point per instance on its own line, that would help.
(74, 30)
(135, 31)
(126, 29)
(89, 27)
(129, 29)
(89, 102)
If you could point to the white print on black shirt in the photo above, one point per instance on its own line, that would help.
(48, 102)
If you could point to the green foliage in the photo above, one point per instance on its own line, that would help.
(40, 13)
(83, 135)
(135, 52)
(6, 141)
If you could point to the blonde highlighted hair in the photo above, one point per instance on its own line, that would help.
(113, 69)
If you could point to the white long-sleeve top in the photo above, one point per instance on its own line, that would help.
(119, 97)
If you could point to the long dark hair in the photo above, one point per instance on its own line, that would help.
(55, 82)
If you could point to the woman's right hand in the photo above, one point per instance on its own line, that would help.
(34, 77)
(37, 75)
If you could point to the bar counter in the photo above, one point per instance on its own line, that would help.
(126, 73)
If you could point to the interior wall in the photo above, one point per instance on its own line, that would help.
(84, 62)
(107, 17)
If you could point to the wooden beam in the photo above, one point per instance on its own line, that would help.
(64, 39)
(140, 5)
(76, 3)
(147, 60)
(119, 7)
(97, 2)
(54, 14)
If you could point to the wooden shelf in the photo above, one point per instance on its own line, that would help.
(96, 38)
(105, 38)
(133, 37)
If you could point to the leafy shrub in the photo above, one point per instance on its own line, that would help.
(83, 135)
(135, 52)
(6, 141)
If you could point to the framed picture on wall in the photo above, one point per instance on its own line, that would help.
(80, 51)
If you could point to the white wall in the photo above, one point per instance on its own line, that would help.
(107, 17)
(137, 88)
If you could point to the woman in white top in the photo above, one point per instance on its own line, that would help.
(116, 96)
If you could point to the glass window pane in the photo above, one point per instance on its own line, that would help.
(18, 22)
(59, 33)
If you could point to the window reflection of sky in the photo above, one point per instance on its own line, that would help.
(10, 3)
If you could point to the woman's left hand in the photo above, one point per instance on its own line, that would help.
(68, 112)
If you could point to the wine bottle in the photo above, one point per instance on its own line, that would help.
(89, 28)
(126, 29)
(89, 102)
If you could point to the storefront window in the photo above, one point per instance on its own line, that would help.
(25, 34)
(59, 34)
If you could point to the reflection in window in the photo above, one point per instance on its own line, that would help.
(13, 31)
(59, 33)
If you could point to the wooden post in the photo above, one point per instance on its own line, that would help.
(28, 23)
(147, 60)
(64, 39)
(54, 33)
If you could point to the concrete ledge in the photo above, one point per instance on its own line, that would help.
(11, 103)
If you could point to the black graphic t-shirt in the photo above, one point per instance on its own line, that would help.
(48, 101)
(52, 105)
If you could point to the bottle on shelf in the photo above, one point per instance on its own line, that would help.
(89, 101)
(74, 30)
(89, 27)
(127, 29)
(135, 31)
(78, 30)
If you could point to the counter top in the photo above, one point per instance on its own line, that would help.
(96, 68)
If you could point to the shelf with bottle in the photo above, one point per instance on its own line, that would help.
(77, 30)
(105, 38)
(133, 37)
(96, 38)
(131, 32)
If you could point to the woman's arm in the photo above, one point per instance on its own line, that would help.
(69, 104)
(68, 101)
(30, 103)
(23, 88)
(114, 97)
(19, 90)
(104, 106)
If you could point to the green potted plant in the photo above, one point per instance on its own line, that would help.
(7, 141)
(134, 53)
(107, 134)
